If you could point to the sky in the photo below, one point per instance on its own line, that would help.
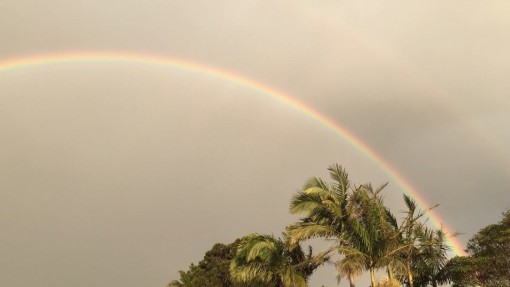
(116, 173)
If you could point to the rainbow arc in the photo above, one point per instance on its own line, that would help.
(208, 71)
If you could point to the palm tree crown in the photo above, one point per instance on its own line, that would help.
(263, 260)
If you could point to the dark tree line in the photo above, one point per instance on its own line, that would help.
(212, 271)
(488, 260)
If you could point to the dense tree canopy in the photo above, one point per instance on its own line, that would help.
(212, 271)
(488, 260)
(263, 260)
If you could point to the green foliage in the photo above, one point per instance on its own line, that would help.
(212, 271)
(263, 260)
(367, 236)
(461, 271)
(367, 233)
(372, 229)
(488, 262)
(430, 258)
(353, 216)
(349, 267)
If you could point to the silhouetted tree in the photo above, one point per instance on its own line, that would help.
(488, 260)
(212, 271)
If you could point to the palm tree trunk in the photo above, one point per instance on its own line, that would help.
(372, 276)
(409, 274)
(351, 280)
(390, 273)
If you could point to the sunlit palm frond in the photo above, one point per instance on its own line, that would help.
(309, 230)
(304, 203)
(316, 182)
(263, 260)
(340, 178)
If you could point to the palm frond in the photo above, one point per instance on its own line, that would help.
(309, 230)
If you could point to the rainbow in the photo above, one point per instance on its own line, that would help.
(188, 66)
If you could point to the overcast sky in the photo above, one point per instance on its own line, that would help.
(121, 174)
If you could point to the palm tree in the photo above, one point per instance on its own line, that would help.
(408, 234)
(349, 267)
(324, 206)
(432, 257)
(411, 234)
(355, 217)
(372, 229)
(263, 260)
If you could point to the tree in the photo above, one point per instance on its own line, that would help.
(355, 217)
(372, 230)
(491, 247)
(407, 237)
(324, 206)
(488, 260)
(418, 250)
(461, 271)
(349, 267)
(431, 258)
(263, 260)
(212, 271)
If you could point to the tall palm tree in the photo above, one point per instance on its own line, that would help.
(432, 257)
(349, 267)
(409, 231)
(263, 260)
(372, 229)
(410, 236)
(324, 206)
(355, 217)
